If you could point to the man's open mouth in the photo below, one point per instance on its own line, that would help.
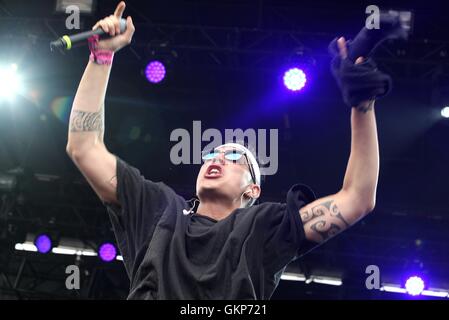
(214, 171)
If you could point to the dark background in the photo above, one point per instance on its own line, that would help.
(225, 60)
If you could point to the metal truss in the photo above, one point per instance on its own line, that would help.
(27, 276)
(245, 48)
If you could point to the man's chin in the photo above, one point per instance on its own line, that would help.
(212, 180)
(210, 186)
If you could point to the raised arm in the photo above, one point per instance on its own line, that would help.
(85, 144)
(330, 215)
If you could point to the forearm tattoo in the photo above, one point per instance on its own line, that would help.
(324, 219)
(81, 121)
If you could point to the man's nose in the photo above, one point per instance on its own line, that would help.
(220, 159)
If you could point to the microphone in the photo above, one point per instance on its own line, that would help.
(66, 42)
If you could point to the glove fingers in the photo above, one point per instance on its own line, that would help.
(360, 82)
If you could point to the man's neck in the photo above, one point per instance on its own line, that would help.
(216, 210)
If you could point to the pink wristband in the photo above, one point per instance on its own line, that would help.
(99, 56)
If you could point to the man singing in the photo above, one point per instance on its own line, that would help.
(226, 247)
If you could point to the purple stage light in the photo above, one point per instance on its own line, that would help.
(43, 243)
(414, 285)
(295, 79)
(107, 252)
(155, 71)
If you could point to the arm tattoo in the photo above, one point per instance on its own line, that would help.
(81, 121)
(325, 219)
(326, 231)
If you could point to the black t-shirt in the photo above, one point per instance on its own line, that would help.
(171, 255)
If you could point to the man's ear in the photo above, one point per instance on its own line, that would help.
(254, 191)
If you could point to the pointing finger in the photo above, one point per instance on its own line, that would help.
(120, 9)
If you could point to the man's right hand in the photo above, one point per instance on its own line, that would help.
(111, 25)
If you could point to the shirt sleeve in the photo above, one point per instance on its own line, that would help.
(285, 238)
(141, 202)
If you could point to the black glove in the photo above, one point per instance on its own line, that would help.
(360, 82)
